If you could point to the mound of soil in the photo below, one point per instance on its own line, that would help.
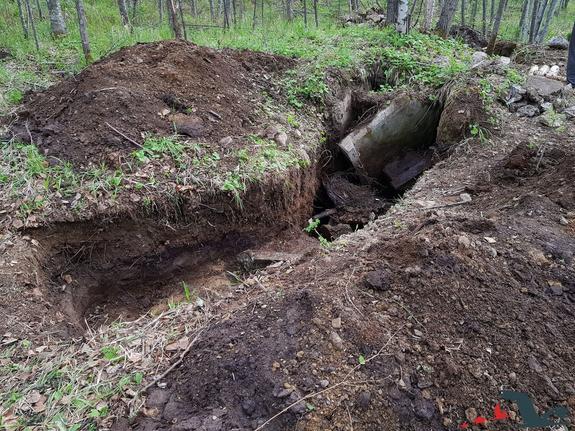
(148, 88)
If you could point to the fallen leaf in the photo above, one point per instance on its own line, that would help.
(181, 344)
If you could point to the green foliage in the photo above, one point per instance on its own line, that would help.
(111, 353)
(311, 227)
(361, 360)
(157, 147)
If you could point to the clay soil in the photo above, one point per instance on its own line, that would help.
(415, 322)
(157, 88)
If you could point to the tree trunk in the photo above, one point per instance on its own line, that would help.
(304, 12)
(83, 31)
(392, 12)
(492, 12)
(550, 14)
(22, 19)
(571, 59)
(484, 17)
(174, 21)
(539, 18)
(161, 11)
(496, 24)
(134, 9)
(123, 12)
(226, 15)
(183, 22)
(428, 19)
(473, 14)
(40, 14)
(32, 25)
(447, 13)
(402, 17)
(57, 23)
(524, 22)
(315, 16)
(462, 12)
(289, 10)
(212, 14)
(255, 14)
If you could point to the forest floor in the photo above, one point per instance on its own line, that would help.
(131, 297)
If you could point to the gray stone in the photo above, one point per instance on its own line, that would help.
(528, 111)
(477, 58)
(324, 383)
(424, 409)
(281, 139)
(336, 340)
(543, 87)
(570, 112)
(516, 93)
(552, 119)
(558, 42)
(364, 399)
(546, 106)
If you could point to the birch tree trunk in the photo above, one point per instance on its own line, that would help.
(428, 18)
(402, 22)
(123, 12)
(32, 25)
(496, 24)
(212, 15)
(550, 14)
(57, 23)
(161, 11)
(523, 22)
(447, 13)
(182, 21)
(82, 24)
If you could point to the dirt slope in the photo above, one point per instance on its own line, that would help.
(148, 88)
(448, 306)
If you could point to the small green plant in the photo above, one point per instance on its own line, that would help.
(361, 360)
(292, 121)
(111, 353)
(233, 183)
(187, 292)
(311, 227)
(14, 96)
(478, 132)
(157, 147)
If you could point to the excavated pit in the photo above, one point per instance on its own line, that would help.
(133, 268)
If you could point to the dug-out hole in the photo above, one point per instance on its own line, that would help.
(375, 164)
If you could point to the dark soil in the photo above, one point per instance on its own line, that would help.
(149, 88)
(450, 305)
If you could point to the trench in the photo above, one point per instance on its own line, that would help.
(136, 267)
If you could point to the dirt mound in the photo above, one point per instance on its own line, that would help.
(470, 36)
(148, 88)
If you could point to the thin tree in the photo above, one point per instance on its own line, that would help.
(40, 14)
(533, 23)
(32, 25)
(255, 14)
(401, 23)
(496, 24)
(289, 10)
(181, 11)
(174, 21)
(484, 17)
(22, 19)
(161, 10)
(315, 16)
(392, 10)
(473, 14)
(523, 22)
(446, 16)
(462, 12)
(212, 12)
(123, 12)
(82, 23)
(429, 11)
(304, 12)
(57, 23)
(550, 14)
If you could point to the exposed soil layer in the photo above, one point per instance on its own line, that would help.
(149, 88)
(448, 305)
